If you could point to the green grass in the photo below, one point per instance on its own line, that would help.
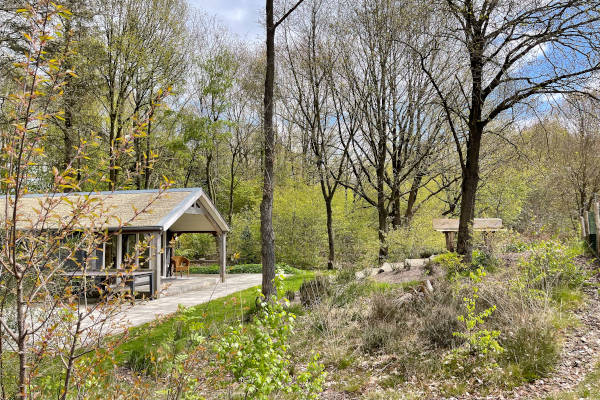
(215, 315)
(243, 269)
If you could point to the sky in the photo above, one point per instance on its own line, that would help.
(239, 16)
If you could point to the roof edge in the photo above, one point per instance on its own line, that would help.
(168, 220)
(109, 192)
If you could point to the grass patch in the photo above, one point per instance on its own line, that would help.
(214, 315)
(243, 269)
(567, 299)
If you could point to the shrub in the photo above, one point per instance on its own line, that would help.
(550, 266)
(139, 360)
(256, 355)
(375, 336)
(452, 263)
(347, 294)
(386, 307)
(534, 349)
(439, 324)
(484, 259)
(480, 340)
(314, 290)
(347, 273)
(243, 269)
(515, 245)
(290, 295)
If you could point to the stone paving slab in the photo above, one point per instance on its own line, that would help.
(147, 311)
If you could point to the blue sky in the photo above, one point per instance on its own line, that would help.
(240, 16)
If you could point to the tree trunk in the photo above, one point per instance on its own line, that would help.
(330, 234)
(266, 206)
(209, 187)
(231, 187)
(382, 211)
(112, 173)
(21, 342)
(147, 166)
(412, 198)
(464, 244)
(68, 139)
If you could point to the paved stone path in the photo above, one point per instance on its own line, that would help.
(147, 311)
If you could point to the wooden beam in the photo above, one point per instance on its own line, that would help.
(597, 220)
(155, 254)
(163, 252)
(222, 255)
(195, 210)
(119, 251)
(449, 240)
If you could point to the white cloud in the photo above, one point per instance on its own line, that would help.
(239, 16)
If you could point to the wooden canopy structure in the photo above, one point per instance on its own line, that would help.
(449, 226)
(133, 215)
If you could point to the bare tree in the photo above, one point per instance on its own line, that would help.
(400, 129)
(504, 52)
(266, 206)
(310, 106)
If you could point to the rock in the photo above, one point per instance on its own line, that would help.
(428, 286)
(415, 263)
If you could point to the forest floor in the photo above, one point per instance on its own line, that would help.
(579, 355)
(574, 376)
(580, 351)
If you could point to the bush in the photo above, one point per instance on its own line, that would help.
(243, 269)
(346, 274)
(386, 307)
(139, 360)
(484, 259)
(346, 294)
(376, 336)
(439, 324)
(534, 349)
(256, 355)
(314, 290)
(451, 263)
(550, 266)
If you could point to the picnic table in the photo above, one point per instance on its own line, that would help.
(106, 276)
(449, 227)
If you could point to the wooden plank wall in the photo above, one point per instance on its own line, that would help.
(590, 226)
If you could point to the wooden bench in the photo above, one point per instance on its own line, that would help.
(449, 226)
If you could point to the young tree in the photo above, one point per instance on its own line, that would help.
(132, 61)
(396, 143)
(309, 61)
(46, 240)
(266, 207)
(502, 53)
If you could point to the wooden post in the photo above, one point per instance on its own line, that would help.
(155, 257)
(222, 255)
(597, 219)
(119, 251)
(449, 241)
(163, 253)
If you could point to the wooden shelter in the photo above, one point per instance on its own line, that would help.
(133, 216)
(449, 226)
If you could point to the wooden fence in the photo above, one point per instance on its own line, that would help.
(590, 226)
